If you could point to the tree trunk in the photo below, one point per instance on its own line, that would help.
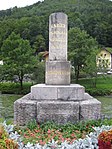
(95, 81)
(21, 80)
(77, 73)
(21, 83)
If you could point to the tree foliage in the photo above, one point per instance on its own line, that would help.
(81, 47)
(17, 56)
(39, 44)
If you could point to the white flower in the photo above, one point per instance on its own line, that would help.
(29, 146)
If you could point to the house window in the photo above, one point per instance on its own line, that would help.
(99, 60)
(105, 55)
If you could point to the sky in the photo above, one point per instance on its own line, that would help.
(5, 4)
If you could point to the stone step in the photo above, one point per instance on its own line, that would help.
(71, 92)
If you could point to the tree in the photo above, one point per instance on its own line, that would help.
(91, 67)
(38, 75)
(39, 44)
(17, 56)
(81, 46)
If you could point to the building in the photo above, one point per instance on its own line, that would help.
(1, 62)
(104, 58)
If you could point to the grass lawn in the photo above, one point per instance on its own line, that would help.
(101, 87)
(106, 105)
(101, 82)
(6, 105)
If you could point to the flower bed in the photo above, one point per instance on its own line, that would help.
(105, 140)
(89, 142)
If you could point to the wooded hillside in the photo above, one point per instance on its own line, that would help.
(94, 16)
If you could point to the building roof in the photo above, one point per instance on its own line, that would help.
(108, 49)
(46, 53)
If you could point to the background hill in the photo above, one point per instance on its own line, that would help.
(94, 16)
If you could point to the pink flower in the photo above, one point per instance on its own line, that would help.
(49, 131)
(62, 139)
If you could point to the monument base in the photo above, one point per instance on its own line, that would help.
(51, 108)
(57, 73)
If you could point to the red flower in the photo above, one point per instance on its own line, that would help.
(105, 140)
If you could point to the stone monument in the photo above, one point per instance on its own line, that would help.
(58, 68)
(57, 100)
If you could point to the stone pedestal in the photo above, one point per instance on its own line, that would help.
(57, 73)
(59, 103)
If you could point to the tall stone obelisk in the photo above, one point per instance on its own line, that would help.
(58, 34)
(58, 68)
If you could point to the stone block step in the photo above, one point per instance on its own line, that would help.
(71, 92)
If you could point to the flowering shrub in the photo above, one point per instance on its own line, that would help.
(105, 140)
(5, 141)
